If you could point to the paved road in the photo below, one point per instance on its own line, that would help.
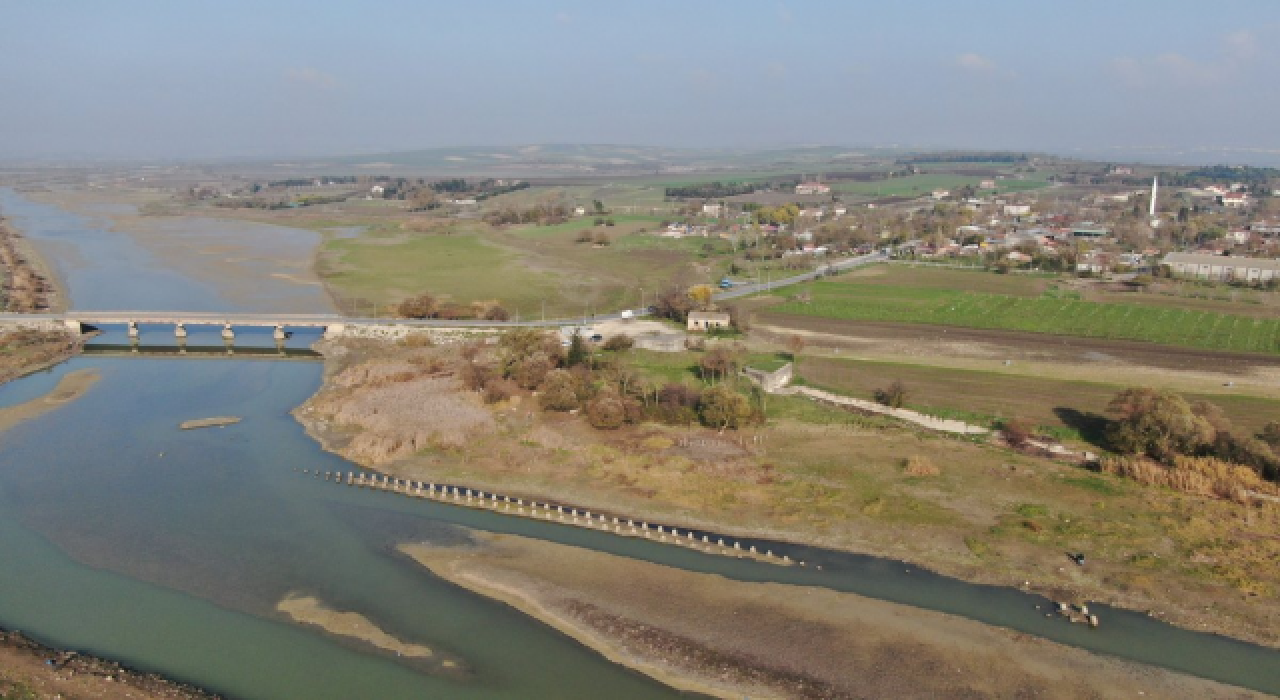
(322, 320)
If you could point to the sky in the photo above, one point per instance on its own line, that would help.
(162, 79)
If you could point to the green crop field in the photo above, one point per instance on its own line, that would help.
(871, 299)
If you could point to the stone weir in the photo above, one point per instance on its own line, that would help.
(700, 540)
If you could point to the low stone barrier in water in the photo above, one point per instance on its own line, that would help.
(561, 514)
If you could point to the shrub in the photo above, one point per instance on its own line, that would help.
(618, 343)
(421, 306)
(497, 313)
(1017, 432)
(894, 396)
(530, 371)
(559, 391)
(606, 411)
(916, 465)
(496, 390)
(475, 375)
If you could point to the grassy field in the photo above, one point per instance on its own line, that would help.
(985, 300)
(1062, 407)
(524, 268)
(919, 185)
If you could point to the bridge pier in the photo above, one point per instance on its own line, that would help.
(279, 333)
(227, 333)
(334, 330)
(73, 326)
(179, 330)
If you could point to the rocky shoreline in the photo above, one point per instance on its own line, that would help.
(42, 671)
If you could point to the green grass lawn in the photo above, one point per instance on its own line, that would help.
(461, 267)
(1004, 303)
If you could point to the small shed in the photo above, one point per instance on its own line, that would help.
(708, 320)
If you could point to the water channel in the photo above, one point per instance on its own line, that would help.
(169, 549)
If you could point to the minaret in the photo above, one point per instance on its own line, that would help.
(1155, 190)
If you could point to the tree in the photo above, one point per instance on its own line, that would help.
(578, 353)
(673, 303)
(559, 391)
(720, 361)
(894, 396)
(497, 313)
(721, 407)
(701, 294)
(1159, 424)
(421, 306)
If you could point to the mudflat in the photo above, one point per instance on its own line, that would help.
(71, 387)
(703, 633)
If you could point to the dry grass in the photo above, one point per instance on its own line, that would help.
(1203, 476)
(916, 465)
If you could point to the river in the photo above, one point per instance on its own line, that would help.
(169, 549)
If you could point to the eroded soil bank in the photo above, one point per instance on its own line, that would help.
(29, 669)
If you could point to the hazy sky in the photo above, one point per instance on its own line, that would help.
(226, 78)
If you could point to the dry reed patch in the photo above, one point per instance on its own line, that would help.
(397, 412)
(915, 465)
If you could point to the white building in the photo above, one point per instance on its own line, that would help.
(812, 188)
(712, 210)
(1017, 209)
(377, 189)
(1221, 267)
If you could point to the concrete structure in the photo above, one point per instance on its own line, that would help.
(771, 381)
(812, 188)
(708, 320)
(1222, 268)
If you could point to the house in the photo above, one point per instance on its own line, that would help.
(940, 194)
(987, 185)
(579, 211)
(708, 320)
(377, 189)
(1216, 190)
(1121, 170)
(839, 212)
(810, 213)
(1239, 236)
(1223, 268)
(1234, 199)
(712, 210)
(1017, 209)
(812, 188)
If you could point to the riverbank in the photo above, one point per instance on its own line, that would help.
(29, 283)
(703, 633)
(24, 351)
(825, 477)
(30, 670)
